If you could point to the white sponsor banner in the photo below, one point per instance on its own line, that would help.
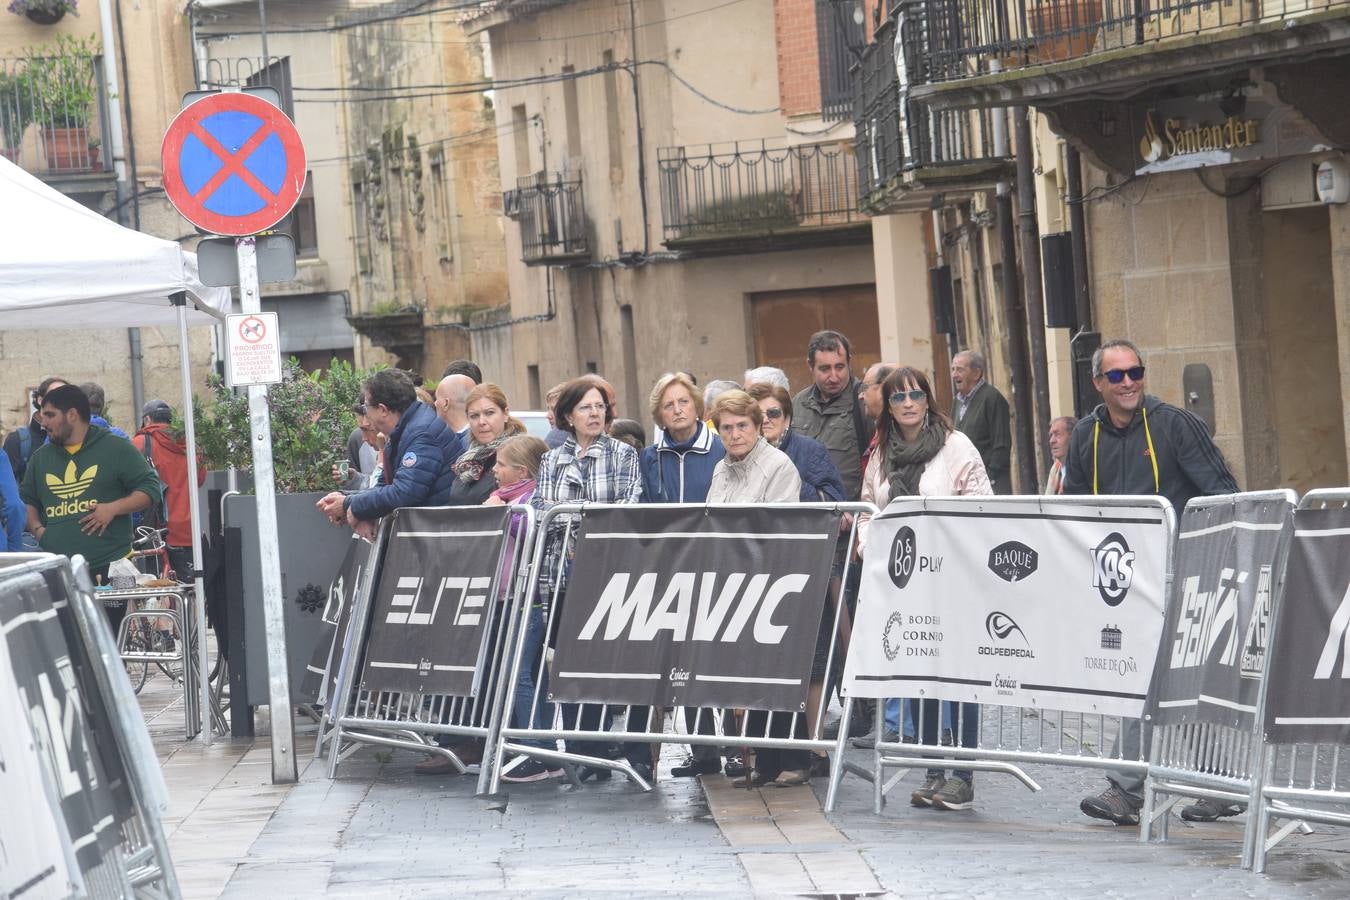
(1020, 602)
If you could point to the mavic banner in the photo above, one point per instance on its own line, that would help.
(681, 606)
(1041, 603)
(1308, 698)
(69, 722)
(435, 600)
(1213, 651)
(333, 625)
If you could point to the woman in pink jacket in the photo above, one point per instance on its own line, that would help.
(920, 454)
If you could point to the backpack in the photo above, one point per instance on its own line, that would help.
(156, 514)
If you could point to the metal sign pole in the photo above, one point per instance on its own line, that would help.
(260, 429)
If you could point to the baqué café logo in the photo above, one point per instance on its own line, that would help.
(1181, 138)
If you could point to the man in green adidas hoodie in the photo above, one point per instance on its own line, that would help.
(83, 485)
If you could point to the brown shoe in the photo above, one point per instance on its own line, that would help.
(470, 752)
(435, 764)
(791, 778)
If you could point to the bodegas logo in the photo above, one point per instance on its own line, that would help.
(1178, 138)
(68, 487)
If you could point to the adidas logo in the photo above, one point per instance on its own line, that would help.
(73, 484)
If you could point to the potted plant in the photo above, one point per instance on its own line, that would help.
(311, 418)
(16, 112)
(63, 78)
(44, 12)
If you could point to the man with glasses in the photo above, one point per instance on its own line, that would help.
(1134, 443)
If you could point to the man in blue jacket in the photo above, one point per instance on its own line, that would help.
(418, 452)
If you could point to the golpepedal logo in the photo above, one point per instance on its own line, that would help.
(1000, 626)
(1113, 568)
(1012, 561)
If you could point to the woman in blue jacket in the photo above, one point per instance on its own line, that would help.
(820, 477)
(678, 468)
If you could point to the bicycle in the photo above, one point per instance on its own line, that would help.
(142, 635)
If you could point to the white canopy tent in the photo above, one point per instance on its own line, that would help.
(63, 265)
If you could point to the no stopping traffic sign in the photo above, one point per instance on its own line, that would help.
(233, 164)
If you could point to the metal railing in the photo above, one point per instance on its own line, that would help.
(551, 211)
(837, 39)
(52, 114)
(894, 134)
(753, 189)
(976, 37)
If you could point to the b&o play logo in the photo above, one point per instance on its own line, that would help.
(904, 556)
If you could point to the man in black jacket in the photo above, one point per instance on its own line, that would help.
(1134, 443)
(981, 413)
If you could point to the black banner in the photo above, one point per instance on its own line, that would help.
(1213, 649)
(70, 723)
(337, 614)
(435, 600)
(680, 606)
(1308, 698)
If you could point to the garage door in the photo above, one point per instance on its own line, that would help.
(785, 320)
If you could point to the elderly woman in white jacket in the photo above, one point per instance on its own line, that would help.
(753, 472)
(919, 453)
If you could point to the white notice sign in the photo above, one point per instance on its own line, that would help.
(254, 356)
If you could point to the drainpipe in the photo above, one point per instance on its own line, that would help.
(122, 186)
(1030, 233)
(1015, 318)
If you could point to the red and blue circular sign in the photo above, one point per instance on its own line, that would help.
(233, 164)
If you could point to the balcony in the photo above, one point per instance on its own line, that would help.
(758, 196)
(52, 115)
(908, 152)
(551, 210)
(1042, 52)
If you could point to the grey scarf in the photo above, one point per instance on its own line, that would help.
(905, 460)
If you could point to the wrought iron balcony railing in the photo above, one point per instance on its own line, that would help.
(551, 211)
(52, 114)
(751, 190)
(894, 134)
(976, 37)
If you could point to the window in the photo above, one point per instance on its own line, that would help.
(571, 112)
(360, 224)
(302, 224)
(440, 209)
(836, 33)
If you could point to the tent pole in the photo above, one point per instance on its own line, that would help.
(205, 722)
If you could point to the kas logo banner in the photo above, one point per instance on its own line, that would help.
(1213, 652)
(1066, 615)
(436, 603)
(1308, 699)
(679, 606)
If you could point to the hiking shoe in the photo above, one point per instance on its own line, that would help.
(692, 767)
(1205, 810)
(869, 741)
(531, 770)
(956, 793)
(924, 795)
(735, 767)
(791, 778)
(1113, 805)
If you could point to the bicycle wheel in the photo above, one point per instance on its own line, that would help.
(138, 672)
(163, 643)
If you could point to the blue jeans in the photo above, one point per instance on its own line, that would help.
(525, 687)
(893, 707)
(966, 720)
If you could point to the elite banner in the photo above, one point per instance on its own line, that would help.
(437, 594)
(1213, 651)
(1308, 698)
(333, 624)
(1020, 602)
(701, 606)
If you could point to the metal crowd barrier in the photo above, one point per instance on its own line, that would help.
(412, 720)
(1298, 783)
(136, 862)
(1010, 736)
(1206, 759)
(586, 724)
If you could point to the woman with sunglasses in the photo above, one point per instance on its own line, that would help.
(820, 478)
(920, 454)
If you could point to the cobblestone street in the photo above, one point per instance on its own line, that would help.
(380, 831)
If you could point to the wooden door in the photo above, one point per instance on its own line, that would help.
(785, 320)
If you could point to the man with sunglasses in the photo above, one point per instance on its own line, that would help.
(1134, 443)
